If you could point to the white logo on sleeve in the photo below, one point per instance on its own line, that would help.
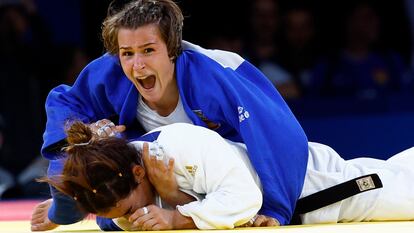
(243, 114)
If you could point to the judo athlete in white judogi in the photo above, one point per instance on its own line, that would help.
(218, 173)
(225, 189)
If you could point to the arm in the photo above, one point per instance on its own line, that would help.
(207, 164)
(92, 97)
(63, 209)
(276, 142)
(100, 91)
(250, 110)
(158, 219)
(162, 177)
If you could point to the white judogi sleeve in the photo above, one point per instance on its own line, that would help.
(206, 164)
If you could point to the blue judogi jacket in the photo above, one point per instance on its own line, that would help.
(219, 90)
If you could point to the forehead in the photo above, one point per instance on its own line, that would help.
(149, 33)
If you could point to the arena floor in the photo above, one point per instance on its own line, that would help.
(15, 215)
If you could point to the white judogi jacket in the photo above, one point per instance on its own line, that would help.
(218, 173)
(215, 171)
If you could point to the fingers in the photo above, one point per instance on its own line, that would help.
(43, 226)
(142, 219)
(171, 165)
(271, 222)
(138, 214)
(259, 220)
(38, 227)
(40, 220)
(146, 219)
(43, 205)
(157, 165)
(149, 224)
(106, 128)
(40, 211)
(145, 155)
(120, 128)
(36, 219)
(152, 162)
(265, 221)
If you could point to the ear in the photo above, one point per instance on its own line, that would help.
(139, 173)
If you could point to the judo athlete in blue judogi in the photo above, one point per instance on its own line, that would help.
(151, 78)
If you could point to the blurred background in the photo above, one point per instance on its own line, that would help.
(345, 68)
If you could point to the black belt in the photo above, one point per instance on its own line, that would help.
(334, 194)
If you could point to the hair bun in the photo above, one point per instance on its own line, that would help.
(78, 132)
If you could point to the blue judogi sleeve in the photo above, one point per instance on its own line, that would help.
(101, 90)
(63, 209)
(248, 108)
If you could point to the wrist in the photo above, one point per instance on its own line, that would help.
(177, 198)
(180, 221)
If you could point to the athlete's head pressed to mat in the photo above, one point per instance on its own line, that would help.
(103, 173)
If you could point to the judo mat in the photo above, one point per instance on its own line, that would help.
(15, 217)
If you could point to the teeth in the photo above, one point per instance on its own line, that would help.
(141, 77)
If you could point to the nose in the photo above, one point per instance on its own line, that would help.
(139, 63)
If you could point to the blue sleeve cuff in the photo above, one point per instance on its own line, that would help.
(63, 210)
(106, 224)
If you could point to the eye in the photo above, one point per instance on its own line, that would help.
(148, 50)
(126, 54)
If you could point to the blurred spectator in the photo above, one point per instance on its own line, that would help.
(409, 8)
(262, 45)
(6, 178)
(225, 41)
(363, 68)
(23, 53)
(225, 26)
(73, 60)
(299, 50)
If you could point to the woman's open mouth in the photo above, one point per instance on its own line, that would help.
(148, 82)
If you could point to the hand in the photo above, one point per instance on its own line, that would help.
(152, 218)
(106, 128)
(262, 221)
(40, 221)
(160, 175)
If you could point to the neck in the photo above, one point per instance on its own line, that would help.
(167, 104)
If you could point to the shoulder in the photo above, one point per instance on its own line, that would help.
(105, 70)
(105, 67)
(184, 130)
(224, 58)
(188, 136)
(105, 59)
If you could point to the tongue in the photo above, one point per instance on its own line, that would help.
(149, 82)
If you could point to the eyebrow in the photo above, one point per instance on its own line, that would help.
(141, 46)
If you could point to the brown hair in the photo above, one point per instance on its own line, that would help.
(98, 171)
(138, 13)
